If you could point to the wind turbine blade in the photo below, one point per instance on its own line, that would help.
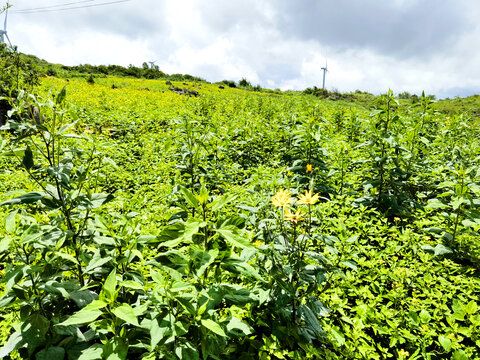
(5, 22)
(8, 39)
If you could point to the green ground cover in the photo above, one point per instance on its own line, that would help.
(140, 223)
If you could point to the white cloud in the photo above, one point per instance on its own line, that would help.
(413, 46)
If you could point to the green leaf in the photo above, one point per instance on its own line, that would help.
(203, 195)
(84, 316)
(130, 284)
(221, 201)
(94, 352)
(459, 355)
(61, 95)
(189, 197)
(471, 308)
(205, 259)
(458, 309)
(158, 330)
(445, 342)
(97, 261)
(24, 199)
(213, 326)
(68, 257)
(88, 312)
(5, 243)
(27, 160)
(441, 250)
(238, 266)
(350, 264)
(64, 128)
(414, 317)
(83, 297)
(126, 313)
(436, 204)
(424, 316)
(51, 353)
(186, 352)
(187, 303)
(457, 202)
(15, 275)
(310, 319)
(238, 327)
(180, 232)
(34, 331)
(13, 343)
(230, 233)
(10, 222)
(98, 200)
(115, 349)
(338, 336)
(108, 289)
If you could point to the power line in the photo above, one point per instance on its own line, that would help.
(53, 6)
(69, 8)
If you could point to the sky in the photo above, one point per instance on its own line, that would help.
(367, 45)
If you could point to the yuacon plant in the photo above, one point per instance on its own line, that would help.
(57, 256)
(49, 249)
(194, 138)
(458, 203)
(204, 281)
(385, 180)
(306, 156)
(299, 264)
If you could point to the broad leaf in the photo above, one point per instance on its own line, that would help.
(51, 353)
(24, 199)
(10, 223)
(108, 289)
(94, 352)
(187, 352)
(27, 160)
(83, 316)
(237, 327)
(445, 342)
(115, 349)
(230, 233)
(126, 313)
(213, 326)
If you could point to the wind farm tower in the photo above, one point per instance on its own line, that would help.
(3, 33)
(325, 69)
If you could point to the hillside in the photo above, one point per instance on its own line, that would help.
(155, 218)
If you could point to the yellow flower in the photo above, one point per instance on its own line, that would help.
(294, 217)
(402, 354)
(308, 198)
(282, 198)
(257, 243)
(309, 168)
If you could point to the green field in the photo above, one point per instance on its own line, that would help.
(139, 223)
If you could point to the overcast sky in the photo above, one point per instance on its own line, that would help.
(370, 45)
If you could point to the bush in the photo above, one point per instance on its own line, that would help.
(90, 79)
(244, 83)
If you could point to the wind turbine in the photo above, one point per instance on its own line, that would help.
(152, 63)
(325, 69)
(3, 33)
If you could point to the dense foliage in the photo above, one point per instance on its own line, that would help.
(140, 223)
